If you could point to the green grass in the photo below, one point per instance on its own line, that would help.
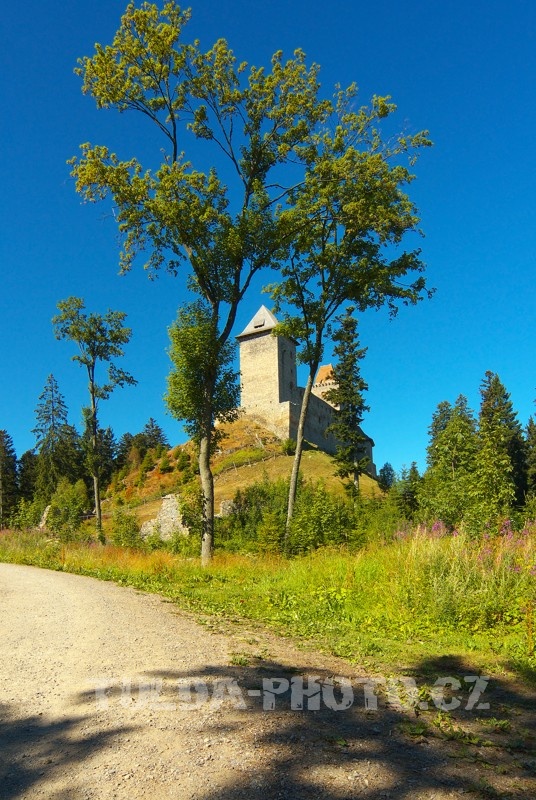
(387, 606)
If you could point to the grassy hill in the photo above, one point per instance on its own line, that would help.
(247, 454)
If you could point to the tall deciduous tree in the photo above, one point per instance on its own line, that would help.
(350, 215)
(348, 395)
(202, 387)
(100, 340)
(8, 477)
(263, 125)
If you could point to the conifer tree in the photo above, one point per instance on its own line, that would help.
(386, 477)
(8, 478)
(58, 446)
(501, 430)
(445, 493)
(407, 491)
(440, 419)
(347, 395)
(530, 439)
(27, 474)
(154, 435)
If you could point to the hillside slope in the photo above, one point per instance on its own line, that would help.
(248, 453)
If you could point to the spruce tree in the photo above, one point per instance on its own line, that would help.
(8, 478)
(58, 444)
(407, 490)
(154, 435)
(501, 429)
(51, 415)
(445, 493)
(386, 477)
(347, 395)
(530, 445)
(440, 419)
(27, 475)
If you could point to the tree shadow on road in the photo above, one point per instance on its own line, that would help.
(399, 749)
(34, 750)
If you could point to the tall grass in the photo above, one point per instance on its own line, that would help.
(427, 592)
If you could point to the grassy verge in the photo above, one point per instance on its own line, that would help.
(388, 606)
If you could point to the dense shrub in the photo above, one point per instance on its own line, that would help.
(125, 529)
(68, 505)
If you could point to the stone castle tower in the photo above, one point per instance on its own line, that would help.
(269, 390)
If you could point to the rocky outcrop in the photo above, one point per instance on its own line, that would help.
(168, 522)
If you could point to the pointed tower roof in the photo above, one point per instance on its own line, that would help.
(263, 322)
(325, 374)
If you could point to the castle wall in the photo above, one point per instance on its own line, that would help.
(319, 416)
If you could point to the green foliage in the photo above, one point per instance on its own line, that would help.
(183, 459)
(154, 435)
(257, 522)
(386, 477)
(497, 414)
(27, 475)
(406, 490)
(202, 385)
(27, 514)
(125, 529)
(58, 444)
(296, 159)
(288, 447)
(446, 491)
(191, 507)
(165, 465)
(100, 340)
(347, 395)
(148, 462)
(319, 519)
(8, 478)
(68, 505)
(424, 593)
(530, 446)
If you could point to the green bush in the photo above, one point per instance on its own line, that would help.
(27, 515)
(288, 447)
(68, 505)
(125, 529)
(165, 466)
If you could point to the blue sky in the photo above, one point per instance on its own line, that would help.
(466, 71)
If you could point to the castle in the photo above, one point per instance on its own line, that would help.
(270, 392)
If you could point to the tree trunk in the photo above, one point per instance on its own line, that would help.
(98, 511)
(207, 487)
(293, 488)
(94, 428)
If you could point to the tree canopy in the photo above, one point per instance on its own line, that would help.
(253, 159)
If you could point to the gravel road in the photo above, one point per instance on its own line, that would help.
(110, 693)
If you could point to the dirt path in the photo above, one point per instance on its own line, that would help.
(96, 701)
